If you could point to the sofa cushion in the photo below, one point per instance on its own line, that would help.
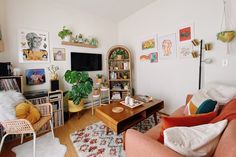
(200, 103)
(191, 120)
(198, 140)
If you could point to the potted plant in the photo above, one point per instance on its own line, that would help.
(81, 87)
(226, 36)
(125, 75)
(96, 91)
(99, 78)
(119, 54)
(65, 34)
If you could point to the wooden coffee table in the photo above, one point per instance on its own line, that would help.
(120, 122)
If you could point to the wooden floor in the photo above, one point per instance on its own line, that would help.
(85, 119)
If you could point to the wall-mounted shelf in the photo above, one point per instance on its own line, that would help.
(78, 44)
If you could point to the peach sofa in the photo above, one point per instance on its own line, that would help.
(146, 145)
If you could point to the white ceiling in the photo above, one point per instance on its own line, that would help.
(115, 10)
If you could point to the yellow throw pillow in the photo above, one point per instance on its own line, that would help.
(27, 111)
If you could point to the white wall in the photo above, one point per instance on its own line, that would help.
(172, 79)
(51, 16)
(2, 24)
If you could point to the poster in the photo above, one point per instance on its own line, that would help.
(149, 44)
(167, 46)
(35, 76)
(59, 54)
(185, 50)
(33, 46)
(186, 33)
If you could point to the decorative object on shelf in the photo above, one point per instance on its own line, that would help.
(1, 42)
(33, 46)
(227, 34)
(59, 54)
(167, 46)
(119, 72)
(35, 76)
(93, 42)
(207, 47)
(82, 86)
(53, 71)
(96, 91)
(99, 78)
(65, 34)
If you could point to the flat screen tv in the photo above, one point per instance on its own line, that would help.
(86, 61)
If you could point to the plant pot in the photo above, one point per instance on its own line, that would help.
(226, 36)
(125, 77)
(119, 57)
(67, 38)
(75, 108)
(96, 92)
(99, 80)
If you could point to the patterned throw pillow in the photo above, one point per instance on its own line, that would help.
(200, 103)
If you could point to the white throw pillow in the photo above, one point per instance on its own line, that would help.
(8, 101)
(224, 90)
(197, 141)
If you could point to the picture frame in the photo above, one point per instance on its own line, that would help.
(185, 50)
(35, 76)
(149, 44)
(59, 54)
(186, 33)
(167, 46)
(33, 46)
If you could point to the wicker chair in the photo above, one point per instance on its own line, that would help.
(23, 126)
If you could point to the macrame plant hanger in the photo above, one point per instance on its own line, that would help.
(227, 34)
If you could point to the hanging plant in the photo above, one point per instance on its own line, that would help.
(226, 36)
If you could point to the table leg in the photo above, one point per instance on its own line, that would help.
(155, 117)
(92, 106)
(124, 139)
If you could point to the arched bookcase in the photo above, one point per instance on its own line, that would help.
(119, 72)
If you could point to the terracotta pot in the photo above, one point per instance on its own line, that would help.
(119, 57)
(96, 92)
(75, 108)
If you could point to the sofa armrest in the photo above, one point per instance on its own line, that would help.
(227, 144)
(140, 145)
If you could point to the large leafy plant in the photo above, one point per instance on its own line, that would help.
(81, 85)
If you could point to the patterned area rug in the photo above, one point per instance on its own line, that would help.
(93, 141)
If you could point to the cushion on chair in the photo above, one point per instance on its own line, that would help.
(191, 120)
(27, 111)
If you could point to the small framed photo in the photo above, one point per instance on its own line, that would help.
(35, 76)
(59, 54)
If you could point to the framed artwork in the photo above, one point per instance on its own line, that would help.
(149, 44)
(59, 54)
(35, 76)
(153, 57)
(33, 46)
(144, 57)
(186, 33)
(185, 50)
(167, 46)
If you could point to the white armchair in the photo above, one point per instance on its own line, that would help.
(23, 126)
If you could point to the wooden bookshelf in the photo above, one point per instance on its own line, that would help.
(78, 44)
(117, 69)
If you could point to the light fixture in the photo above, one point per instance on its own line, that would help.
(195, 54)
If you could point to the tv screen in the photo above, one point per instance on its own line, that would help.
(86, 61)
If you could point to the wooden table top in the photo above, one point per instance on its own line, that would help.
(115, 118)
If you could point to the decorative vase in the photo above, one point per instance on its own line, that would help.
(54, 76)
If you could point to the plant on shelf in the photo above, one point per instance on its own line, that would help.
(125, 74)
(65, 34)
(104, 84)
(99, 78)
(82, 86)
